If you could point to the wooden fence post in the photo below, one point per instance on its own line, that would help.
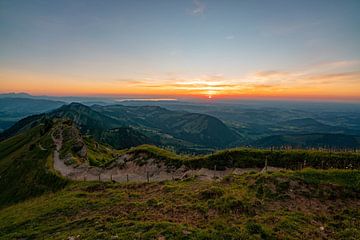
(266, 163)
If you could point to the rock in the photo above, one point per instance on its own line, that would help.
(74, 238)
(80, 148)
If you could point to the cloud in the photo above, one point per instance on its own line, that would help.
(198, 8)
(129, 81)
(271, 74)
(230, 37)
(306, 81)
(339, 64)
(303, 78)
(335, 78)
(262, 83)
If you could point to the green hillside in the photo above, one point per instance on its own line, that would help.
(124, 137)
(26, 166)
(250, 158)
(25, 159)
(37, 203)
(314, 140)
(311, 204)
(193, 127)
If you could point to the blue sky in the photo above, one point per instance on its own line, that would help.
(162, 42)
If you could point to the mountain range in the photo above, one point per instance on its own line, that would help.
(123, 126)
(187, 128)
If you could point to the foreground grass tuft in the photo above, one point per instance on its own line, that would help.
(233, 208)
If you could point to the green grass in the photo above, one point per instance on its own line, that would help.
(99, 154)
(24, 163)
(350, 179)
(24, 167)
(250, 158)
(286, 204)
(229, 209)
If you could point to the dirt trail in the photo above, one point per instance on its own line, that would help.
(132, 172)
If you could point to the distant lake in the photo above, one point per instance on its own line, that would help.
(146, 99)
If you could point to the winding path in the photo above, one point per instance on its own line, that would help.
(133, 172)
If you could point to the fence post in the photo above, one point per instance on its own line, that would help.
(127, 177)
(147, 177)
(266, 163)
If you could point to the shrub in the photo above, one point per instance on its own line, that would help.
(213, 192)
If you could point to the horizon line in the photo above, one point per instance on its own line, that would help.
(196, 98)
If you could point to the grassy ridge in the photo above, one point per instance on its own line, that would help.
(99, 154)
(282, 205)
(310, 204)
(25, 166)
(248, 158)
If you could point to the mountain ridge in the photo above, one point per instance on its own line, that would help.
(152, 125)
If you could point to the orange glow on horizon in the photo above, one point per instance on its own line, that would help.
(329, 87)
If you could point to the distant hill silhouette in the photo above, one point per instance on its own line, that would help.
(315, 140)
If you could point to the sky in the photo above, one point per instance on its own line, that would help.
(237, 49)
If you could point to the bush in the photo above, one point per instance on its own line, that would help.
(228, 204)
(213, 192)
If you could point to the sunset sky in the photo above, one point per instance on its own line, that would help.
(182, 49)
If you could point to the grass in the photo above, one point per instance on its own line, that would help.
(350, 179)
(229, 209)
(254, 158)
(24, 167)
(37, 203)
(26, 159)
(99, 154)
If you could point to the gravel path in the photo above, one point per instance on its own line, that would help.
(135, 173)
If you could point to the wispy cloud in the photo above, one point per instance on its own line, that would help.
(230, 37)
(334, 78)
(130, 81)
(271, 74)
(338, 64)
(268, 82)
(340, 82)
(305, 78)
(198, 8)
